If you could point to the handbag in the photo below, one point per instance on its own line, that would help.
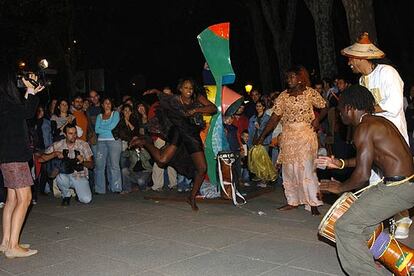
(115, 131)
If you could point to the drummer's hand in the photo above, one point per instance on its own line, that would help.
(333, 186)
(328, 162)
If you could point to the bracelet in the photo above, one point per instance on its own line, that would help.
(343, 164)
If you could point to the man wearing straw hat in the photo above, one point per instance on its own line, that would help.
(385, 84)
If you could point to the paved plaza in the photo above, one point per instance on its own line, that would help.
(128, 235)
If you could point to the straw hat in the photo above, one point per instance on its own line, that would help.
(363, 49)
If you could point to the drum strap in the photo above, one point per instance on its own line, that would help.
(392, 184)
(234, 191)
(396, 183)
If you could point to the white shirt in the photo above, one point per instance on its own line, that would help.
(386, 86)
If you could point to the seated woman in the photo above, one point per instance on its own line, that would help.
(178, 117)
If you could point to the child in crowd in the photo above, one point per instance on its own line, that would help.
(245, 175)
(231, 134)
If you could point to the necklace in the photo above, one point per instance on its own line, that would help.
(362, 116)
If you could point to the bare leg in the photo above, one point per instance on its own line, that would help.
(24, 196)
(161, 156)
(7, 216)
(199, 161)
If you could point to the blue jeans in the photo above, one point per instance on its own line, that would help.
(183, 182)
(245, 175)
(108, 156)
(129, 177)
(80, 184)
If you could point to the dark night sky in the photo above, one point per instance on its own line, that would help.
(160, 40)
(157, 39)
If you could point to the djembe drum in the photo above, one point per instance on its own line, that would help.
(395, 256)
(228, 176)
(327, 226)
(226, 160)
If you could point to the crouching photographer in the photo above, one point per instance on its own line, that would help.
(76, 159)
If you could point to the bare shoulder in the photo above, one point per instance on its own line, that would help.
(366, 129)
(373, 127)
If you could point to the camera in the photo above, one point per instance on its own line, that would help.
(41, 74)
(70, 165)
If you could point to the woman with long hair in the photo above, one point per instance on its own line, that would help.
(60, 119)
(109, 150)
(298, 141)
(14, 157)
(180, 117)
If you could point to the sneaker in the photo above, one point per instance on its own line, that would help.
(261, 185)
(1, 205)
(402, 228)
(180, 190)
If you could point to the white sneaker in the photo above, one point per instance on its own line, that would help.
(1, 205)
(402, 228)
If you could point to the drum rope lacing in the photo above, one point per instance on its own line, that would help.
(229, 162)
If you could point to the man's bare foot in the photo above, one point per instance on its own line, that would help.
(287, 207)
(192, 202)
(315, 211)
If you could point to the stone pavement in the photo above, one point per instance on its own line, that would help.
(128, 235)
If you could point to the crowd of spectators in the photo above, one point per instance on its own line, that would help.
(103, 131)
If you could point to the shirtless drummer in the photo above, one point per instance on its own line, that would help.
(378, 143)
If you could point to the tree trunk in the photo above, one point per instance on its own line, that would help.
(260, 45)
(282, 31)
(321, 11)
(360, 17)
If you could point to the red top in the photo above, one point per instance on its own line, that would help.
(242, 123)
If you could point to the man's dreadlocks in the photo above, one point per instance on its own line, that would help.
(358, 97)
